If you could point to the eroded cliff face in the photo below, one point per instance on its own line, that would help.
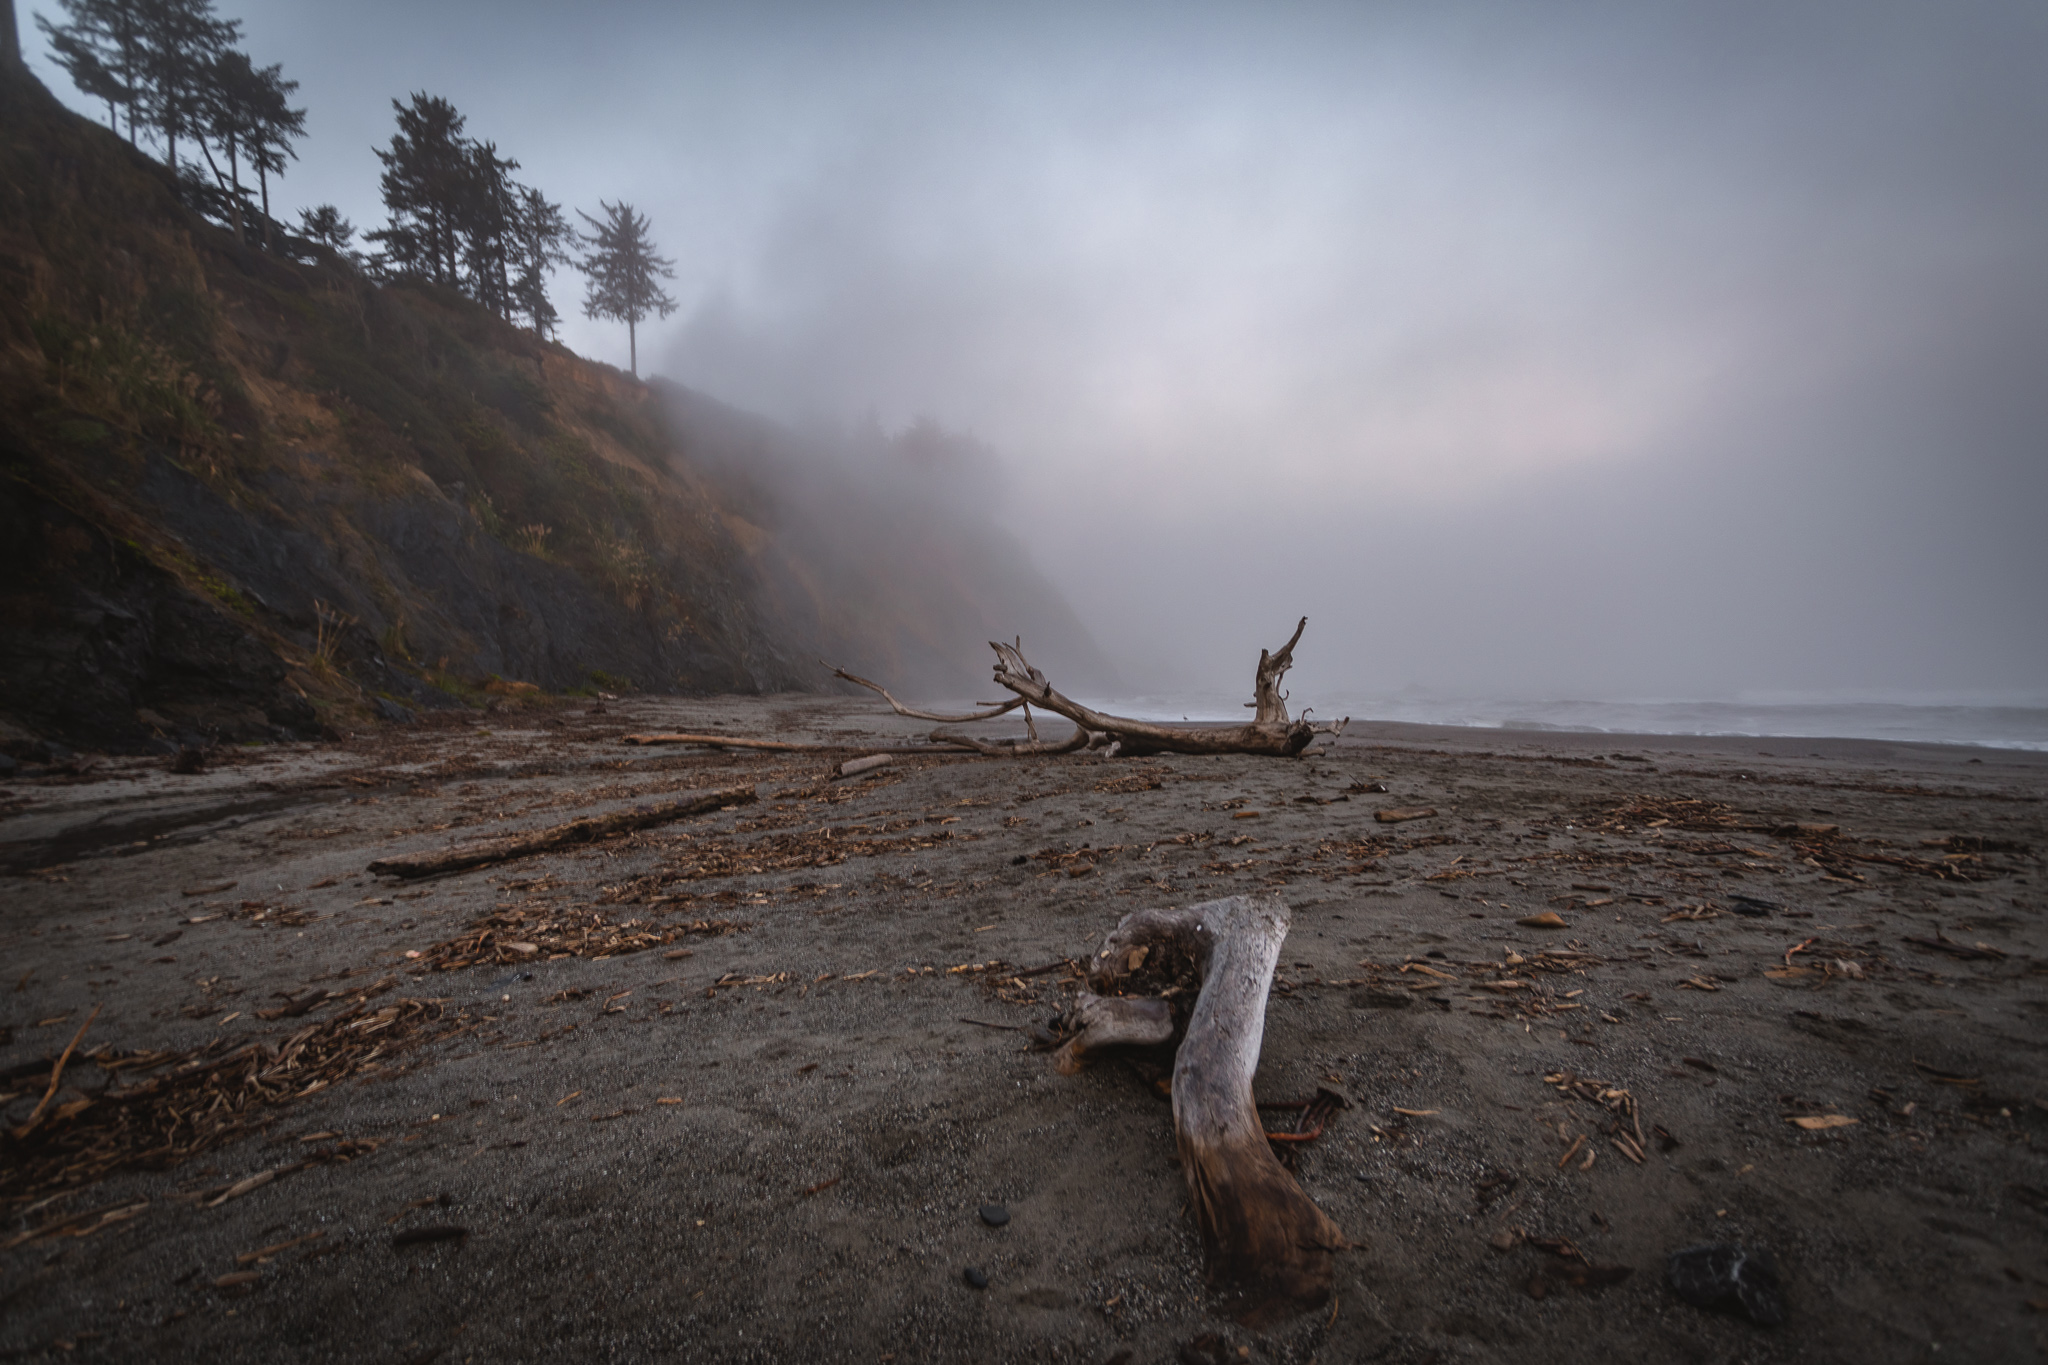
(246, 497)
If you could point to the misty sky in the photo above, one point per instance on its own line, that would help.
(1601, 350)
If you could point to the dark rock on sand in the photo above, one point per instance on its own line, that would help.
(1729, 1277)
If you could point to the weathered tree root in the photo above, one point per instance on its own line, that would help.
(1268, 1249)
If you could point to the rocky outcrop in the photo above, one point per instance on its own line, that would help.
(101, 648)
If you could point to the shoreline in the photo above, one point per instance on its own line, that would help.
(1850, 749)
(2025, 730)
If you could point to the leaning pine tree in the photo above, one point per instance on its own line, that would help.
(625, 273)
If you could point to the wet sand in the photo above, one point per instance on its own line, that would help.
(646, 1162)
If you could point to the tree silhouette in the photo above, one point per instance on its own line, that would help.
(172, 66)
(624, 273)
(324, 226)
(425, 172)
(273, 127)
(244, 110)
(485, 217)
(458, 218)
(180, 40)
(227, 114)
(540, 240)
(101, 49)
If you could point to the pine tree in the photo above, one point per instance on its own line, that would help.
(324, 226)
(540, 241)
(226, 114)
(273, 127)
(426, 173)
(485, 217)
(458, 218)
(624, 273)
(101, 50)
(244, 110)
(153, 58)
(179, 42)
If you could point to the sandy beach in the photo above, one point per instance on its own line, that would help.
(738, 1086)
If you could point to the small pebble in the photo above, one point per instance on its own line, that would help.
(976, 1277)
(995, 1215)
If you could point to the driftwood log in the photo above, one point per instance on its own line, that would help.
(486, 851)
(1271, 732)
(1021, 748)
(1268, 1249)
(780, 746)
(786, 746)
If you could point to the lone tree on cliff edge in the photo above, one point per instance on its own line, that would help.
(624, 273)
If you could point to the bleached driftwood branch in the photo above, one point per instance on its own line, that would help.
(995, 708)
(1266, 1244)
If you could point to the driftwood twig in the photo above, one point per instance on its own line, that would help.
(56, 1076)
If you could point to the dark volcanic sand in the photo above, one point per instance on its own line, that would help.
(815, 1194)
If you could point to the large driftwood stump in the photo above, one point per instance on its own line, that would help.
(1266, 1245)
(1270, 733)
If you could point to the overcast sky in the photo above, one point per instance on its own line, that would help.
(1604, 350)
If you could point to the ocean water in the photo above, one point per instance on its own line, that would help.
(1996, 727)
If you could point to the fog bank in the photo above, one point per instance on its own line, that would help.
(1595, 354)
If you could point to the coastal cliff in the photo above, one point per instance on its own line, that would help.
(244, 496)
